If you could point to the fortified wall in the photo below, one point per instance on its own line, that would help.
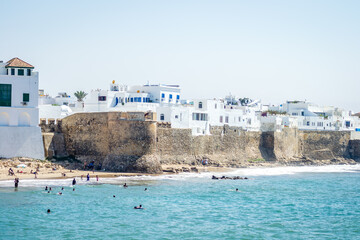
(134, 141)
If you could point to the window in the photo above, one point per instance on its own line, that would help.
(12, 71)
(239, 119)
(226, 119)
(5, 95)
(199, 117)
(21, 72)
(170, 96)
(200, 104)
(162, 117)
(131, 99)
(307, 123)
(29, 72)
(7, 71)
(163, 97)
(313, 124)
(26, 97)
(176, 116)
(178, 97)
(215, 106)
(302, 113)
(221, 119)
(102, 98)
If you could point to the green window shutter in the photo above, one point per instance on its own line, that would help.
(21, 72)
(5, 95)
(26, 97)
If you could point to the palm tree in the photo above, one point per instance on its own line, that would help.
(80, 95)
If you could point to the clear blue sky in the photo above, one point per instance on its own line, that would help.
(269, 50)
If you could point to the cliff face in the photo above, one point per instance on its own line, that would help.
(134, 142)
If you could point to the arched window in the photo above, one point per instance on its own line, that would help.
(162, 117)
(200, 104)
(4, 119)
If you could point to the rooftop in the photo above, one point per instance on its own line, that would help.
(17, 62)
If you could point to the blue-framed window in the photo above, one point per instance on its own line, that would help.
(178, 97)
(170, 96)
(131, 99)
(163, 95)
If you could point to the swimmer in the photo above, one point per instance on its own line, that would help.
(125, 186)
(73, 189)
(139, 207)
(48, 191)
(113, 195)
(48, 211)
(237, 189)
(145, 189)
(46, 188)
(62, 188)
(60, 193)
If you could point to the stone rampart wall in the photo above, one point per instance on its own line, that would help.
(137, 143)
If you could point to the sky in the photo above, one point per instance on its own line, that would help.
(269, 50)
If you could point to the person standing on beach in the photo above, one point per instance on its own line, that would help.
(88, 177)
(73, 181)
(97, 178)
(16, 181)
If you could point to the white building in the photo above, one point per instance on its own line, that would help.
(165, 100)
(313, 117)
(20, 135)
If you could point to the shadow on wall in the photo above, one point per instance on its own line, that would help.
(266, 146)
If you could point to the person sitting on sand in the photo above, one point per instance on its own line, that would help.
(11, 172)
(138, 207)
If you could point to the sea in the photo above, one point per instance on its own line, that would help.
(317, 202)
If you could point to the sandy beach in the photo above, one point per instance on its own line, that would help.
(24, 168)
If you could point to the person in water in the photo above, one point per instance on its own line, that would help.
(237, 189)
(46, 188)
(145, 189)
(73, 189)
(62, 188)
(16, 181)
(125, 186)
(48, 211)
(138, 207)
(113, 195)
(73, 181)
(88, 177)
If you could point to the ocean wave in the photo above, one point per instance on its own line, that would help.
(243, 172)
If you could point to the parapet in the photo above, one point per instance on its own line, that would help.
(50, 125)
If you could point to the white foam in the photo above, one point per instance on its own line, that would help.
(273, 171)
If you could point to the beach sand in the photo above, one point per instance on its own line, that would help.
(49, 170)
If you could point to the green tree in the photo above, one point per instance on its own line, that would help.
(80, 95)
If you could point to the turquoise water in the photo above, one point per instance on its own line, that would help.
(272, 204)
